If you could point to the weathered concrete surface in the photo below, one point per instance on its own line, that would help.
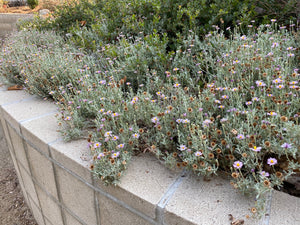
(5, 160)
(8, 22)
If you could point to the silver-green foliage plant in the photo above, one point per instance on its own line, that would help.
(21, 49)
(45, 65)
(224, 104)
(227, 104)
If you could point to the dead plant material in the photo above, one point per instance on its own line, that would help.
(15, 88)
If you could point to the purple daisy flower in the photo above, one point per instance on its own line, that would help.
(272, 161)
(238, 164)
(182, 147)
(115, 155)
(256, 149)
(240, 137)
(286, 145)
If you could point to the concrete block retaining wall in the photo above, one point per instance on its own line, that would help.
(60, 189)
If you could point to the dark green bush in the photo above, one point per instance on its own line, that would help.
(282, 10)
(93, 24)
(71, 14)
(32, 3)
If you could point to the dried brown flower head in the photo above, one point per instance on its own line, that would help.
(267, 144)
(219, 132)
(266, 183)
(284, 118)
(244, 154)
(278, 174)
(235, 175)
(211, 155)
(223, 142)
(219, 151)
(231, 157)
(195, 167)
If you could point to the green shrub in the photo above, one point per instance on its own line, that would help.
(32, 3)
(35, 23)
(74, 13)
(109, 18)
(93, 24)
(283, 10)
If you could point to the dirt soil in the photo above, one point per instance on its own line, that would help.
(13, 209)
(19, 9)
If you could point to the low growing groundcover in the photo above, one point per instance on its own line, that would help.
(225, 103)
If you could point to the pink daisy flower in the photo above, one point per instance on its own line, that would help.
(238, 164)
(272, 161)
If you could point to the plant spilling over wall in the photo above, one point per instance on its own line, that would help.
(227, 101)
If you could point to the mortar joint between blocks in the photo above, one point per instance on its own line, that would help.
(266, 219)
(96, 203)
(30, 170)
(37, 117)
(18, 101)
(167, 197)
(57, 188)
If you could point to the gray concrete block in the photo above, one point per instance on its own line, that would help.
(29, 187)
(12, 97)
(26, 110)
(50, 208)
(36, 213)
(77, 196)
(112, 213)
(285, 209)
(42, 171)
(19, 148)
(74, 156)
(207, 202)
(41, 131)
(143, 185)
(71, 220)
